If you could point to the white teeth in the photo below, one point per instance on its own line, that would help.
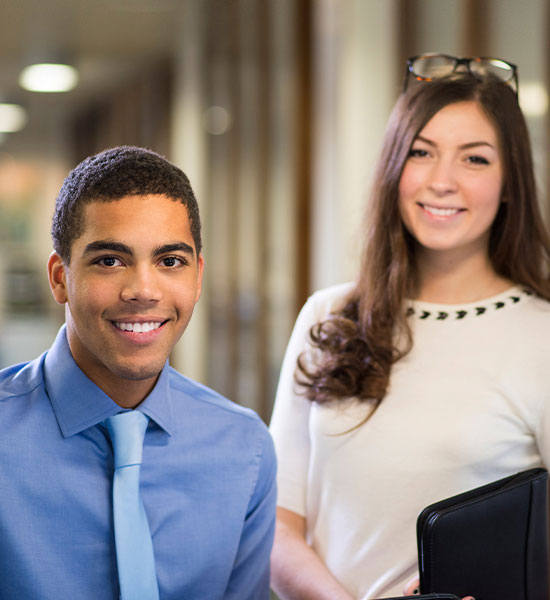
(138, 327)
(441, 212)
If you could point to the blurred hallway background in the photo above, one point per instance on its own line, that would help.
(275, 109)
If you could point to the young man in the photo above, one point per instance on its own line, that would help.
(128, 268)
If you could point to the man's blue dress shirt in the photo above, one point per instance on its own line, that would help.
(207, 481)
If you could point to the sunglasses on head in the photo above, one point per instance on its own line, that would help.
(427, 67)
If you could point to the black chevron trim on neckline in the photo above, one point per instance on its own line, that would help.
(457, 315)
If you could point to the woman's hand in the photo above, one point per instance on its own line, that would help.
(413, 587)
(297, 573)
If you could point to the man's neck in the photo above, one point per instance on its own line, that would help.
(127, 393)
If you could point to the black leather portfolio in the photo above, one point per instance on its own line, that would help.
(490, 542)
(425, 597)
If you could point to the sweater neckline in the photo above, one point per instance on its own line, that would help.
(434, 311)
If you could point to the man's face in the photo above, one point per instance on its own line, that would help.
(130, 288)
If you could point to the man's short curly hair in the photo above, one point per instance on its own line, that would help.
(112, 175)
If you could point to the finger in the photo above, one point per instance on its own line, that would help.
(412, 587)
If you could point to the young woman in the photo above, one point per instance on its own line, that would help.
(428, 376)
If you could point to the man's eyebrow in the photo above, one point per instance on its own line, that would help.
(119, 247)
(463, 147)
(174, 247)
(102, 245)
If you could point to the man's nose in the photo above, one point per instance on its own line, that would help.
(141, 284)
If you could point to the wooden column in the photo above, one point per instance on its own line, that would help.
(476, 22)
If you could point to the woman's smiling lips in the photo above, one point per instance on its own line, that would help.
(440, 211)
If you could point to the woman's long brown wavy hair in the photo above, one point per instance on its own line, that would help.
(360, 343)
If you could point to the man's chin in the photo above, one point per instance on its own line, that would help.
(137, 372)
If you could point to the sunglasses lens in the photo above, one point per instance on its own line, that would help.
(431, 67)
(492, 66)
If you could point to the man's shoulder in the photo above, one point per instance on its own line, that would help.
(209, 399)
(20, 379)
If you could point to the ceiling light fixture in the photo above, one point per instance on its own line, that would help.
(48, 77)
(12, 118)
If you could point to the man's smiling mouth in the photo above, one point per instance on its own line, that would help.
(138, 327)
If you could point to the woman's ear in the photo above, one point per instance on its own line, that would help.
(57, 278)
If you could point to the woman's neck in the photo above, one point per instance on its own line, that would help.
(444, 279)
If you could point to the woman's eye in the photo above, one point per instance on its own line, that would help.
(418, 153)
(478, 160)
(109, 261)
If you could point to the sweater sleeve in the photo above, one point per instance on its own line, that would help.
(542, 422)
(290, 421)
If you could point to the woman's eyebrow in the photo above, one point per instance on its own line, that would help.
(473, 144)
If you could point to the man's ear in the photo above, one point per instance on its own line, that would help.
(57, 278)
(200, 270)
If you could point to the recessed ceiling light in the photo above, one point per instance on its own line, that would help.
(12, 118)
(48, 77)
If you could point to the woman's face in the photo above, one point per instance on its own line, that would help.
(451, 186)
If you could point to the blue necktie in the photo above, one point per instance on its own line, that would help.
(134, 547)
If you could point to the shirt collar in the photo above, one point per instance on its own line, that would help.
(78, 403)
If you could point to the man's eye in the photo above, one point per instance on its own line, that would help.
(109, 261)
(173, 261)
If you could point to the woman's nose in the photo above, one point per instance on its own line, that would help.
(442, 178)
